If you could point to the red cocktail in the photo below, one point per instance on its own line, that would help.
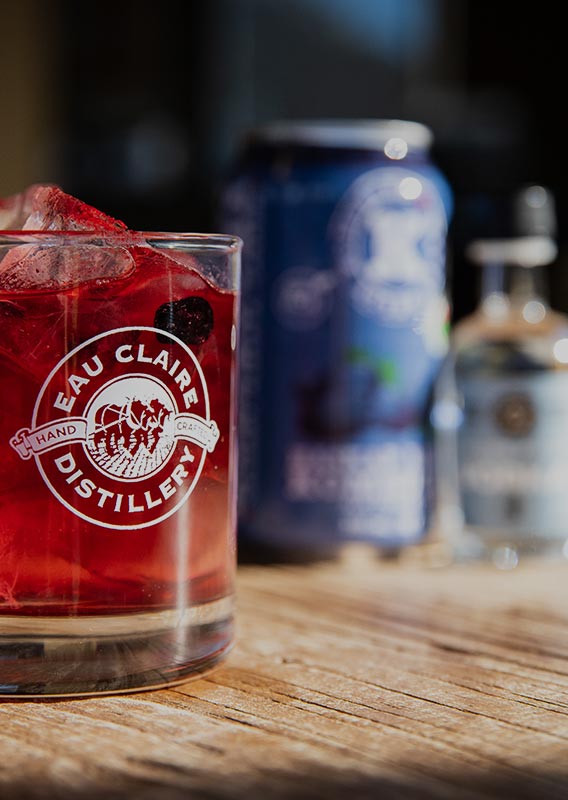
(117, 361)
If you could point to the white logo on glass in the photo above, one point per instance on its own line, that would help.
(126, 452)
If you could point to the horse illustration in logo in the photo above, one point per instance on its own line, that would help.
(128, 438)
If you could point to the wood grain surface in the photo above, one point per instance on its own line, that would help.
(351, 680)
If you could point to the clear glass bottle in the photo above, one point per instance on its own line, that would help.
(501, 410)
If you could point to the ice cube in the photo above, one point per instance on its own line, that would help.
(14, 210)
(47, 208)
(56, 265)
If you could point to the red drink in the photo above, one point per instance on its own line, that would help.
(117, 449)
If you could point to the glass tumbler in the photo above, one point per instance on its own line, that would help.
(117, 458)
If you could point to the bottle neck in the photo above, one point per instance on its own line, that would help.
(508, 289)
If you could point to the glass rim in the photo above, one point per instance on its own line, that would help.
(199, 242)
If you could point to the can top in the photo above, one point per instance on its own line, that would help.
(367, 134)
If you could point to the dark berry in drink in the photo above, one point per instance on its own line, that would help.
(190, 319)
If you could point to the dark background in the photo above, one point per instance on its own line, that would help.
(139, 107)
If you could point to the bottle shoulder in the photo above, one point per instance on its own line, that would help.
(511, 343)
(480, 326)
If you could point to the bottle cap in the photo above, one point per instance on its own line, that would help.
(532, 223)
(534, 212)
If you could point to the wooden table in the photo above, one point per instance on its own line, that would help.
(353, 680)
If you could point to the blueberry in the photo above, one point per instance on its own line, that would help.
(190, 319)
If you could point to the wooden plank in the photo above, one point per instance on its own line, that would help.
(358, 680)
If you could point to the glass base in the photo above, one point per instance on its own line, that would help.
(55, 656)
(504, 550)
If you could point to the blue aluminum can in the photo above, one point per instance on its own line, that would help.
(344, 322)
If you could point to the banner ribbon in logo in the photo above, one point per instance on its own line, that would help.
(28, 443)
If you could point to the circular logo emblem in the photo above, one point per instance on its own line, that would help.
(515, 414)
(121, 428)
